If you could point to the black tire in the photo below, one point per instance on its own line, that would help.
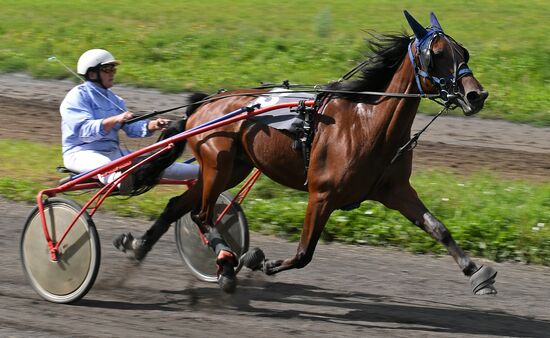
(199, 258)
(70, 277)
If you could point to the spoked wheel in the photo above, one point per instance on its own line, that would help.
(70, 277)
(199, 258)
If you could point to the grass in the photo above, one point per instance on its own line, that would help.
(489, 217)
(207, 45)
(22, 181)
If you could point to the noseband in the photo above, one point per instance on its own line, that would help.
(448, 85)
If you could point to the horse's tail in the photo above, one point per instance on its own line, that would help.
(178, 127)
(149, 173)
(195, 100)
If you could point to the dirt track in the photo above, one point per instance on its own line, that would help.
(347, 291)
(29, 110)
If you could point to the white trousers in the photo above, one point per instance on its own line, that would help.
(86, 160)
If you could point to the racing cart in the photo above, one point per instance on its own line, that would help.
(60, 246)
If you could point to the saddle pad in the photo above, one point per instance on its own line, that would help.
(283, 118)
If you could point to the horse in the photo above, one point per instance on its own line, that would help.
(358, 131)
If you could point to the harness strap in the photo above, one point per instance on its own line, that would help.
(307, 131)
(417, 71)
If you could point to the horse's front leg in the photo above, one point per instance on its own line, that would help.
(317, 213)
(405, 200)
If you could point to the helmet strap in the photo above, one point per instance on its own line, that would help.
(98, 77)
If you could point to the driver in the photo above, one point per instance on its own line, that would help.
(92, 115)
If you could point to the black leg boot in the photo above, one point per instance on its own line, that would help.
(142, 245)
(138, 246)
(226, 260)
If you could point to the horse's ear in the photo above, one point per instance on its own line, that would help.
(434, 22)
(417, 28)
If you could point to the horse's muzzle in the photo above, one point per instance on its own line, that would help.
(472, 102)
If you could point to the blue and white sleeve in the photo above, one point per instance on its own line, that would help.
(78, 116)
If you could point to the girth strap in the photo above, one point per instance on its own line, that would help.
(306, 133)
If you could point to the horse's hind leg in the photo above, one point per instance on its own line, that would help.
(218, 168)
(176, 208)
(405, 199)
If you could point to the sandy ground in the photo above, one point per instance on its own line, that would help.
(346, 291)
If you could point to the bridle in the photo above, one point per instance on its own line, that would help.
(448, 85)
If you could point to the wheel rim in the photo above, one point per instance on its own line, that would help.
(72, 273)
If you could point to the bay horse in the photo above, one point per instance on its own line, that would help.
(352, 154)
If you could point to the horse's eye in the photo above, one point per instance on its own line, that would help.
(435, 56)
(437, 52)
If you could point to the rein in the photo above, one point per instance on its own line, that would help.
(447, 88)
(317, 90)
(412, 143)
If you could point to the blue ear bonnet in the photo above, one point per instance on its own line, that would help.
(426, 34)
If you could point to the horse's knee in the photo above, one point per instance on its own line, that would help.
(179, 205)
(172, 203)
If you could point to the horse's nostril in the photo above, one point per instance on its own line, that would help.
(475, 96)
(472, 96)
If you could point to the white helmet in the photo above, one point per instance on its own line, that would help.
(93, 58)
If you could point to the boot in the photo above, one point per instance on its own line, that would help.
(227, 277)
(138, 246)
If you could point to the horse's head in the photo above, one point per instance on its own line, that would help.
(441, 67)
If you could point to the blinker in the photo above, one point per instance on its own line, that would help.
(424, 37)
(424, 49)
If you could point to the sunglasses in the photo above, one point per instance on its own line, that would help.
(110, 69)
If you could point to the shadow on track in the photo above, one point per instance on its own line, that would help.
(362, 310)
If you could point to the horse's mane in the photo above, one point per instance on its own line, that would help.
(386, 54)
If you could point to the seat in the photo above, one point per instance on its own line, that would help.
(72, 174)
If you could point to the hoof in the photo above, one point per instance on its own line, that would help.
(123, 242)
(488, 290)
(227, 279)
(135, 246)
(271, 267)
(482, 281)
(252, 259)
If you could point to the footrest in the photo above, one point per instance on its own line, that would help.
(65, 179)
(72, 174)
(63, 170)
